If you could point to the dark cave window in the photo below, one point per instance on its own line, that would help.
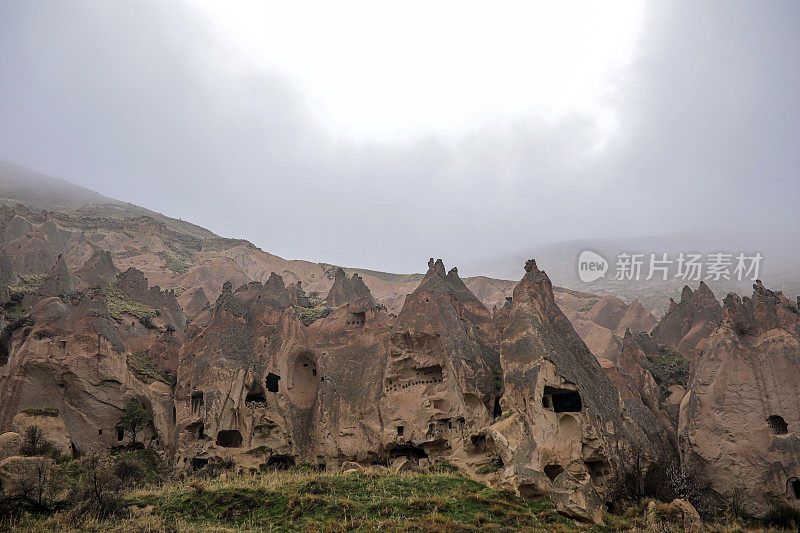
(497, 411)
(562, 400)
(120, 433)
(794, 484)
(357, 319)
(198, 463)
(400, 430)
(255, 396)
(281, 462)
(778, 425)
(229, 438)
(99, 431)
(197, 402)
(272, 382)
(552, 471)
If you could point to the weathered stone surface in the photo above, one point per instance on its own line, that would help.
(346, 290)
(573, 494)
(565, 408)
(10, 444)
(738, 428)
(687, 324)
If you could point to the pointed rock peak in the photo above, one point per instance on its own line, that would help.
(275, 280)
(535, 285)
(346, 290)
(435, 267)
(686, 294)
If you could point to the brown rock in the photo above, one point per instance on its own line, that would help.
(740, 412)
(10, 444)
(573, 494)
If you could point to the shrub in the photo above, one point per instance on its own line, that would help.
(783, 517)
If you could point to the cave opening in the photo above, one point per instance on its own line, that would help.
(197, 402)
(407, 450)
(120, 434)
(229, 438)
(255, 396)
(777, 425)
(357, 319)
(198, 463)
(281, 462)
(400, 430)
(497, 410)
(553, 471)
(271, 382)
(794, 484)
(303, 382)
(562, 400)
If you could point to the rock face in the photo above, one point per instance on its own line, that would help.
(739, 425)
(346, 290)
(439, 388)
(573, 494)
(564, 407)
(687, 325)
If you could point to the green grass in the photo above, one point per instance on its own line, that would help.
(143, 367)
(310, 501)
(27, 284)
(493, 465)
(120, 304)
(669, 368)
(42, 411)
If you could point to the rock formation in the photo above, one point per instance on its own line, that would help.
(739, 421)
(687, 325)
(562, 406)
(345, 290)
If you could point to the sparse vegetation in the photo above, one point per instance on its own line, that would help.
(669, 368)
(27, 284)
(575, 293)
(309, 314)
(178, 263)
(588, 305)
(120, 304)
(143, 367)
(495, 464)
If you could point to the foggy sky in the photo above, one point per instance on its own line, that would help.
(136, 100)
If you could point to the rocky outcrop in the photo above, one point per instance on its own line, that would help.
(441, 383)
(346, 290)
(738, 428)
(97, 271)
(614, 314)
(687, 324)
(573, 494)
(562, 405)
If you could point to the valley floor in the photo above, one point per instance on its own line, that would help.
(305, 500)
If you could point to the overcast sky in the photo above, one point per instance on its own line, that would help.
(378, 134)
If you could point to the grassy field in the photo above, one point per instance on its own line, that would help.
(295, 500)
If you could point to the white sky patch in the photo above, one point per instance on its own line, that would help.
(385, 70)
